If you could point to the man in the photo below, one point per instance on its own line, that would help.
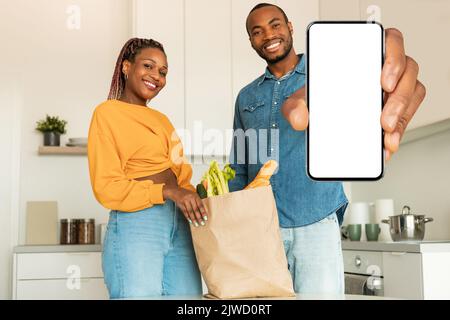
(310, 212)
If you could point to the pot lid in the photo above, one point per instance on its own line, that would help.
(406, 211)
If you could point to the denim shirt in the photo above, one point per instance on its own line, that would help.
(300, 200)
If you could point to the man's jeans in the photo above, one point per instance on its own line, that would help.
(314, 256)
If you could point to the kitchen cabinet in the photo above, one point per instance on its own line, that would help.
(163, 21)
(339, 10)
(410, 270)
(210, 60)
(196, 36)
(422, 23)
(209, 102)
(403, 275)
(48, 272)
(417, 275)
(57, 289)
(436, 276)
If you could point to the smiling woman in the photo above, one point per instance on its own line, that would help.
(135, 172)
(147, 62)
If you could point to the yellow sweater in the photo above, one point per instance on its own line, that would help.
(128, 141)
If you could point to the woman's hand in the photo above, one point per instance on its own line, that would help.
(189, 202)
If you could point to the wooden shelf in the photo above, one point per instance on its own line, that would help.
(63, 150)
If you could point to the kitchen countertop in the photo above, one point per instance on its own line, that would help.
(297, 297)
(58, 248)
(390, 246)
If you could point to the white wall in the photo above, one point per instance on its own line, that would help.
(10, 111)
(418, 176)
(60, 71)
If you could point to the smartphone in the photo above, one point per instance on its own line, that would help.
(345, 100)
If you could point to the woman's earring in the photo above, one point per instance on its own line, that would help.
(126, 75)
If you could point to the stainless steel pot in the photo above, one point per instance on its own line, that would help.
(407, 226)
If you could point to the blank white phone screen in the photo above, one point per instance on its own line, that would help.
(345, 138)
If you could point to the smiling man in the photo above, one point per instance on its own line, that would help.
(310, 212)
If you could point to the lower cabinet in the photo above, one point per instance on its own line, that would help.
(60, 276)
(403, 275)
(401, 272)
(61, 289)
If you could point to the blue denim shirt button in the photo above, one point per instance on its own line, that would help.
(275, 102)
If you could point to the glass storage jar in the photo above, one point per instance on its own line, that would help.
(86, 231)
(68, 231)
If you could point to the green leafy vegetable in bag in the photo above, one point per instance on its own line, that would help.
(215, 180)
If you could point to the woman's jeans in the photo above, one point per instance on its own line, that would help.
(150, 253)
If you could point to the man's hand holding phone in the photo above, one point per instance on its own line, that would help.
(404, 94)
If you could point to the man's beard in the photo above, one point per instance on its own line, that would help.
(281, 57)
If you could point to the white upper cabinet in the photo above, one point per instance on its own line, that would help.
(339, 10)
(210, 59)
(300, 13)
(247, 65)
(208, 65)
(164, 21)
(424, 25)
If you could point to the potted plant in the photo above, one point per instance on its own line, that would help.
(52, 127)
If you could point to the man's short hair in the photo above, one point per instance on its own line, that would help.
(262, 5)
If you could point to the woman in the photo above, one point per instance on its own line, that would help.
(136, 172)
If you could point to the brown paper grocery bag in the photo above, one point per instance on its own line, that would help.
(239, 251)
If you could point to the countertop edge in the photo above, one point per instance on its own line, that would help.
(58, 248)
(412, 247)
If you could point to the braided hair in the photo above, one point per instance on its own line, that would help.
(129, 52)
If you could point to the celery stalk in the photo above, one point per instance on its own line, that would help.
(216, 181)
(221, 178)
(210, 191)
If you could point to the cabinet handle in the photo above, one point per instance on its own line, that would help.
(358, 261)
(398, 253)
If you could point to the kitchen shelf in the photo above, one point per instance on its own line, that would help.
(44, 150)
(58, 248)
